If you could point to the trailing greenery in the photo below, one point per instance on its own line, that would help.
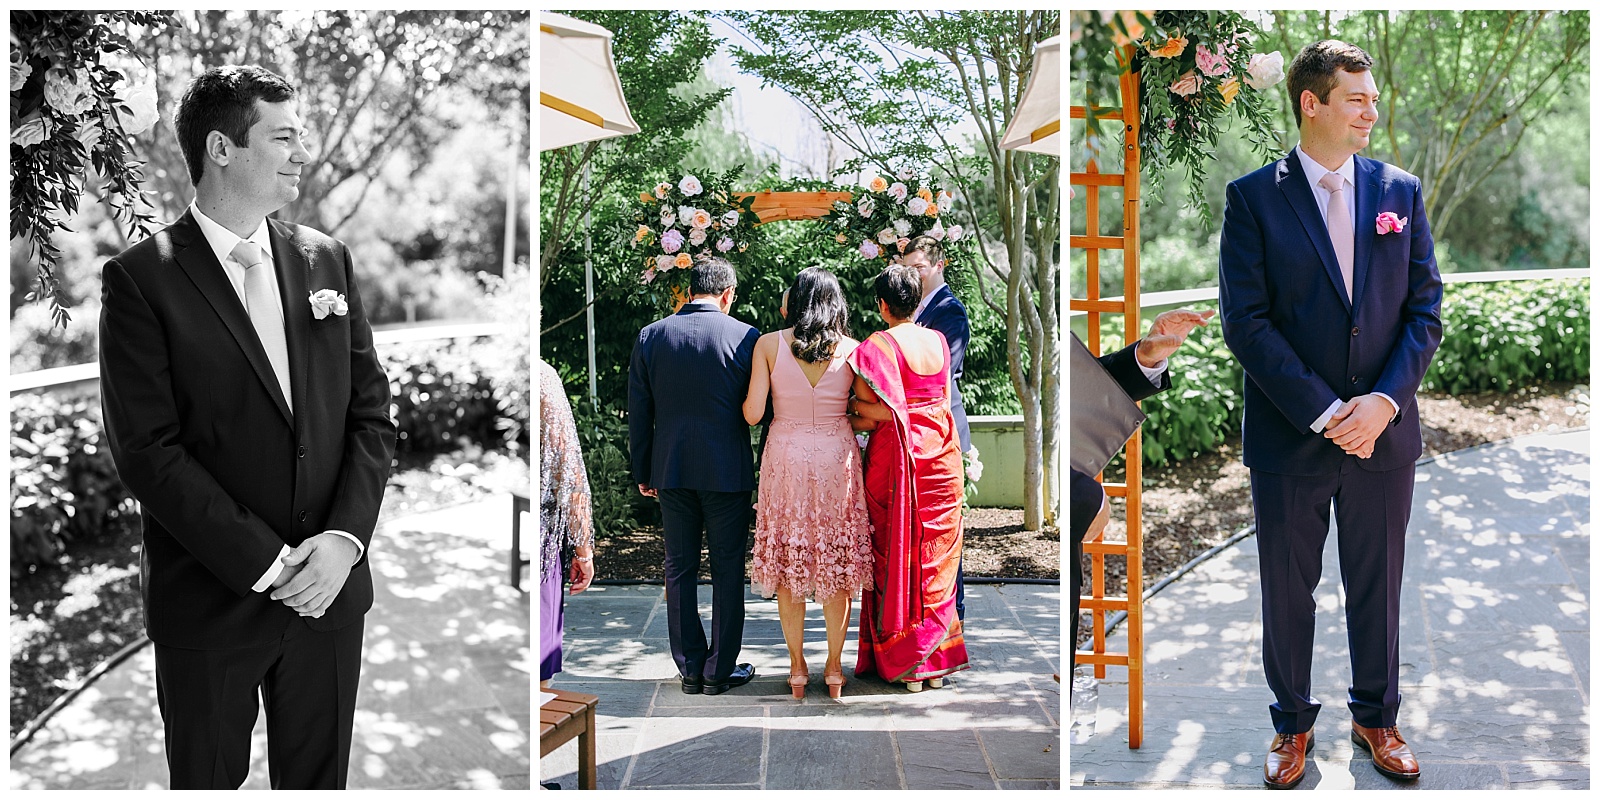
(65, 487)
(1498, 337)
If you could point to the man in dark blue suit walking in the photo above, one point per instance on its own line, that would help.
(942, 311)
(1330, 300)
(691, 450)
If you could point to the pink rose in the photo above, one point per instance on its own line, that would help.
(724, 244)
(1210, 63)
(870, 249)
(1389, 222)
(1186, 85)
(697, 236)
(649, 275)
(671, 241)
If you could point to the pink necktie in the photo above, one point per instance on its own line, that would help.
(1340, 231)
(260, 290)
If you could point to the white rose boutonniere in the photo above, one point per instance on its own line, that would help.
(327, 301)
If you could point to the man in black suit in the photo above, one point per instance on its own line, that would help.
(690, 449)
(1141, 370)
(247, 412)
(942, 311)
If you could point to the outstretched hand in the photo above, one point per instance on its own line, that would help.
(1167, 332)
(320, 566)
(1358, 423)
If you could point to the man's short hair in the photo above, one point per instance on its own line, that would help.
(224, 99)
(926, 244)
(712, 276)
(1316, 69)
(901, 288)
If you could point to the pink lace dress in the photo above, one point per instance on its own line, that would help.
(813, 536)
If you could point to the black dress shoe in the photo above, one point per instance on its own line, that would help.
(692, 684)
(741, 676)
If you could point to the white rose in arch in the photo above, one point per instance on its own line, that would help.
(141, 103)
(68, 92)
(690, 186)
(30, 131)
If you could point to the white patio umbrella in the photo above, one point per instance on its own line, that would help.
(580, 97)
(1036, 125)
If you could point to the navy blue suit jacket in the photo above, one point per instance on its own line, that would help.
(948, 316)
(687, 382)
(1304, 343)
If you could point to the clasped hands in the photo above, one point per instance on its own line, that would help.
(314, 573)
(1358, 423)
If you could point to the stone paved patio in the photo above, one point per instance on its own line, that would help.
(996, 725)
(1494, 653)
(445, 693)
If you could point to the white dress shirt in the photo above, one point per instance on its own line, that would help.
(1314, 173)
(222, 241)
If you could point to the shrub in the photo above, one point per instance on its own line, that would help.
(603, 435)
(64, 486)
(442, 397)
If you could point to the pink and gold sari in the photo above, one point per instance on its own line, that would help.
(909, 628)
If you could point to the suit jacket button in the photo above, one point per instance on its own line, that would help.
(1354, 379)
(302, 516)
(301, 452)
(1353, 332)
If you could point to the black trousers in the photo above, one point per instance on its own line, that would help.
(308, 682)
(1292, 514)
(722, 521)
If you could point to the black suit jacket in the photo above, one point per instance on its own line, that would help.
(687, 380)
(947, 315)
(1084, 494)
(203, 438)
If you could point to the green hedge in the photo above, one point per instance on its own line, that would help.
(64, 486)
(1497, 337)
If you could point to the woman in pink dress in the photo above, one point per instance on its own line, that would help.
(910, 632)
(812, 535)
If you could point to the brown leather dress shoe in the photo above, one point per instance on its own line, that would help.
(1389, 751)
(1286, 761)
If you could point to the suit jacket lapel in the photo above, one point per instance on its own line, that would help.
(292, 268)
(1297, 191)
(1368, 189)
(194, 255)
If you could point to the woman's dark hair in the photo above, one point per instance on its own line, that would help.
(901, 288)
(820, 316)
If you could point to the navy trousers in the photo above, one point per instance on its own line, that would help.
(1292, 514)
(722, 521)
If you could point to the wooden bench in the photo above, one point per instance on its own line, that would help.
(570, 714)
(520, 504)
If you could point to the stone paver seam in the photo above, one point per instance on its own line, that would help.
(766, 745)
(638, 740)
(983, 750)
(894, 743)
(1583, 690)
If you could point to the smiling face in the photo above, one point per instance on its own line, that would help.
(1345, 123)
(267, 173)
(927, 272)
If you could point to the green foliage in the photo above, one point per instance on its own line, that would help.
(68, 115)
(1497, 338)
(1500, 336)
(442, 397)
(37, 343)
(64, 486)
(665, 213)
(603, 435)
(507, 358)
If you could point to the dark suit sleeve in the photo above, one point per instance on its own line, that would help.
(142, 425)
(641, 413)
(1086, 497)
(369, 436)
(1124, 367)
(951, 320)
(1421, 326)
(1302, 395)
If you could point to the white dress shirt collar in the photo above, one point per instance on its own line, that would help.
(926, 300)
(1315, 171)
(222, 240)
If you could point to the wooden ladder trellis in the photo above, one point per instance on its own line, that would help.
(1128, 305)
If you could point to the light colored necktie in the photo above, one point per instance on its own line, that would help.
(1341, 231)
(260, 291)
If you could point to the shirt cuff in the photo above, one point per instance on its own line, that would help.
(272, 572)
(1392, 403)
(361, 552)
(1153, 373)
(1322, 421)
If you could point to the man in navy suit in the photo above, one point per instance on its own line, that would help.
(940, 310)
(252, 423)
(1333, 310)
(691, 450)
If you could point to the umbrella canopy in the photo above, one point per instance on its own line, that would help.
(1036, 125)
(580, 97)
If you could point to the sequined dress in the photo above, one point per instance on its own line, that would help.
(813, 536)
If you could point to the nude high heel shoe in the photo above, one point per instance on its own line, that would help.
(797, 683)
(835, 682)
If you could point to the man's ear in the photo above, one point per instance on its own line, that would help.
(218, 148)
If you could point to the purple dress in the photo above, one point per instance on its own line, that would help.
(564, 511)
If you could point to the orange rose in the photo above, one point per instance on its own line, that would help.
(933, 210)
(1130, 20)
(1230, 90)
(841, 238)
(1172, 49)
(878, 184)
(641, 234)
(683, 261)
(925, 194)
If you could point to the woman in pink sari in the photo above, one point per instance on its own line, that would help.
(909, 629)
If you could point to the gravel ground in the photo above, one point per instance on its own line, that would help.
(1194, 505)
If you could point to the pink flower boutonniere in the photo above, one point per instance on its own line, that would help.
(1389, 221)
(327, 301)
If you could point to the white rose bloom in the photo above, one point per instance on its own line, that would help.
(697, 236)
(685, 215)
(887, 236)
(730, 219)
(865, 207)
(916, 206)
(20, 72)
(898, 191)
(141, 101)
(1265, 70)
(937, 231)
(30, 131)
(690, 186)
(68, 93)
(902, 227)
(946, 201)
(954, 233)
